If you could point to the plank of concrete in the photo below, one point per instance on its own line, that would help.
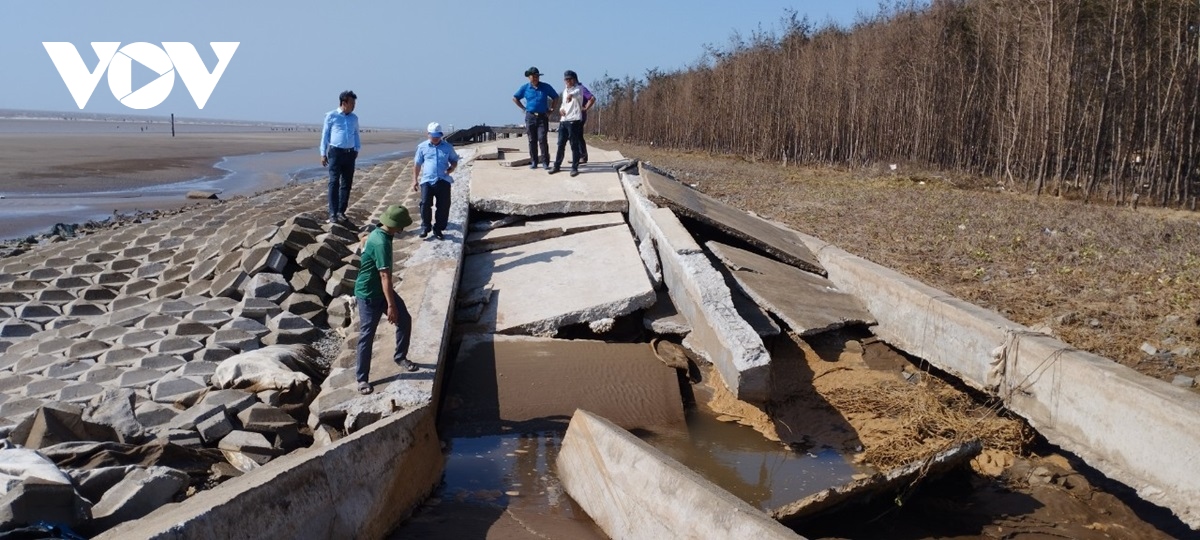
(782, 243)
(879, 484)
(525, 192)
(543, 286)
(698, 290)
(503, 381)
(533, 231)
(632, 490)
(1133, 428)
(807, 303)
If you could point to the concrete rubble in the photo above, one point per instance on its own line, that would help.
(514, 192)
(807, 303)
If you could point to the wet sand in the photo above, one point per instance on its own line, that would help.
(75, 177)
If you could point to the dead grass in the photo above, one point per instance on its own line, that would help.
(1104, 279)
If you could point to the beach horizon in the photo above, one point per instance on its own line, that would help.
(68, 171)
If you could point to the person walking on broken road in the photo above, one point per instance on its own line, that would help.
(339, 148)
(433, 162)
(376, 295)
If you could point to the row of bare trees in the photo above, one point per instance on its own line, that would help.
(1100, 97)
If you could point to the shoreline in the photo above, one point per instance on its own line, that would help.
(72, 178)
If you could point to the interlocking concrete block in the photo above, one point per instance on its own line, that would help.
(55, 262)
(115, 409)
(210, 317)
(235, 339)
(138, 378)
(177, 346)
(79, 392)
(220, 303)
(268, 286)
(213, 428)
(76, 331)
(11, 382)
(259, 309)
(200, 287)
(98, 294)
(14, 328)
(102, 373)
(170, 289)
(172, 389)
(124, 301)
(149, 270)
(184, 256)
(341, 282)
(61, 322)
(54, 297)
(44, 274)
(229, 262)
(54, 345)
(83, 308)
(35, 364)
(234, 401)
(160, 362)
(87, 349)
(69, 370)
(254, 261)
(29, 286)
(12, 298)
(115, 280)
(38, 312)
(250, 325)
(287, 328)
(141, 338)
(138, 494)
(176, 308)
(305, 305)
(121, 356)
(43, 388)
(304, 280)
(35, 500)
(160, 255)
(137, 288)
(228, 284)
(203, 270)
(293, 238)
(192, 329)
(201, 370)
(124, 266)
(212, 354)
(126, 317)
(253, 445)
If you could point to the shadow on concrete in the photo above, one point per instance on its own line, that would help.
(543, 257)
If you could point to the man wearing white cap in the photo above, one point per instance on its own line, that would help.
(434, 161)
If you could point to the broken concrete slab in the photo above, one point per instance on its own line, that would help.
(698, 291)
(882, 484)
(660, 499)
(517, 192)
(533, 231)
(637, 392)
(807, 303)
(138, 494)
(41, 492)
(543, 286)
(781, 243)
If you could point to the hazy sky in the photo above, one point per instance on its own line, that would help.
(409, 62)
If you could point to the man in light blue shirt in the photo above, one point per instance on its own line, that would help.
(432, 164)
(339, 148)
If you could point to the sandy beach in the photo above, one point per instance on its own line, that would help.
(48, 178)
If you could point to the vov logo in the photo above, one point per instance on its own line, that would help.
(174, 56)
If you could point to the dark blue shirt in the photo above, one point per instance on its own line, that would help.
(537, 98)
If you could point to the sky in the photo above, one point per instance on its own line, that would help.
(410, 63)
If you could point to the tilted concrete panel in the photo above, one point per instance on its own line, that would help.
(700, 294)
(633, 491)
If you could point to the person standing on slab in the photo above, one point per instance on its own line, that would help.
(589, 101)
(339, 148)
(540, 98)
(570, 123)
(376, 296)
(433, 162)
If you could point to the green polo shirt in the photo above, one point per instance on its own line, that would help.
(376, 256)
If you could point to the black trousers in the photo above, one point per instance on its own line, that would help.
(435, 194)
(537, 129)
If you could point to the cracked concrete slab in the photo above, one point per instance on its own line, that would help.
(543, 286)
(524, 192)
(533, 231)
(807, 303)
(782, 243)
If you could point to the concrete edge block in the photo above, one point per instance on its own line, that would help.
(1109, 415)
(632, 490)
(361, 486)
(700, 294)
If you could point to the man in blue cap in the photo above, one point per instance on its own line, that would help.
(433, 162)
(376, 295)
(540, 98)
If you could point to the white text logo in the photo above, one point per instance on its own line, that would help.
(173, 57)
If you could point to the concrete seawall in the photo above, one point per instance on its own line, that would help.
(1135, 429)
(358, 487)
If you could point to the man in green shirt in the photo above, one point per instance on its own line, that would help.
(376, 295)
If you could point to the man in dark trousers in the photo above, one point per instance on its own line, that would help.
(376, 295)
(433, 162)
(540, 98)
(339, 148)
